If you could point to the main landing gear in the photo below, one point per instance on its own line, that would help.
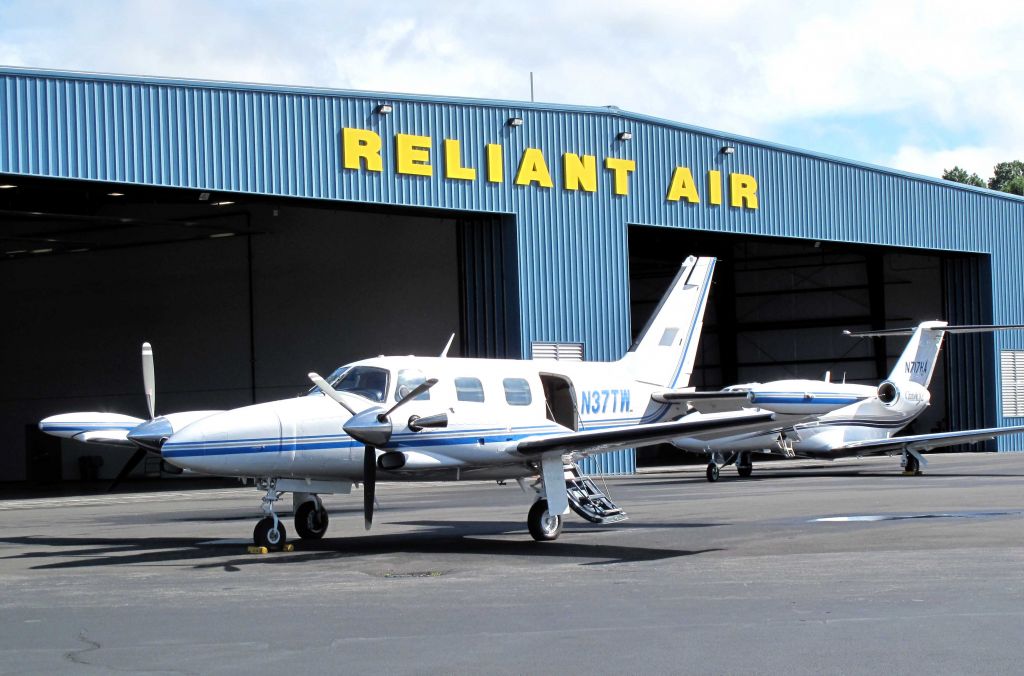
(744, 464)
(543, 526)
(311, 518)
(911, 466)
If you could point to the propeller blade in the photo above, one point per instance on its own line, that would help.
(330, 392)
(420, 389)
(149, 379)
(369, 484)
(128, 467)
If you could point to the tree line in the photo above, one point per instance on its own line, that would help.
(1006, 177)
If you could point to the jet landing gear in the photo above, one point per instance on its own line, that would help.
(269, 531)
(744, 464)
(742, 460)
(911, 466)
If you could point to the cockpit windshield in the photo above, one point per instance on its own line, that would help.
(370, 382)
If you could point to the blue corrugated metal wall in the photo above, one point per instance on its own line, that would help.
(572, 249)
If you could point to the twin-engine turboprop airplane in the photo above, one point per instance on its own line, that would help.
(838, 419)
(416, 418)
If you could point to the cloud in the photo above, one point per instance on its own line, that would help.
(974, 159)
(941, 78)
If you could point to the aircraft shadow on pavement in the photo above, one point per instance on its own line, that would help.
(438, 538)
(816, 473)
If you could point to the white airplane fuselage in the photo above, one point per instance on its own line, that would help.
(837, 421)
(303, 437)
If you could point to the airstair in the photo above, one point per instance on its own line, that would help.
(587, 500)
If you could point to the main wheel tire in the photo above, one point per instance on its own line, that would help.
(543, 526)
(712, 472)
(744, 470)
(913, 466)
(310, 522)
(266, 535)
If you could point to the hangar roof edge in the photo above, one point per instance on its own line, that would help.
(610, 110)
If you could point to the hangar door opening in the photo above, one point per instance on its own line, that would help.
(778, 307)
(240, 295)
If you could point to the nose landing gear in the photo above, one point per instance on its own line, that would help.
(269, 531)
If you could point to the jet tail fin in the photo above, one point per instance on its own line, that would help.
(917, 363)
(664, 353)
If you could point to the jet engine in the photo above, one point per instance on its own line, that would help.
(891, 394)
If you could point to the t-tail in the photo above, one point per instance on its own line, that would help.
(917, 363)
(664, 353)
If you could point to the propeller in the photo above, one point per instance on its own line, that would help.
(149, 379)
(141, 438)
(373, 428)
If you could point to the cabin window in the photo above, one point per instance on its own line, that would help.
(409, 380)
(366, 381)
(469, 389)
(517, 391)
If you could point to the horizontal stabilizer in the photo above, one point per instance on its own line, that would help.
(705, 402)
(924, 442)
(618, 438)
(909, 331)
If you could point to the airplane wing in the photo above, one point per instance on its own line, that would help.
(706, 402)
(92, 427)
(924, 442)
(618, 438)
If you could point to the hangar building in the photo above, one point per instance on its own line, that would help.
(253, 233)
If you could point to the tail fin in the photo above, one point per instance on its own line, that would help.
(664, 353)
(917, 363)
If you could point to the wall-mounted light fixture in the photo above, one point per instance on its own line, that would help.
(625, 135)
(383, 109)
(115, 194)
(727, 150)
(203, 196)
(7, 186)
(223, 203)
(515, 122)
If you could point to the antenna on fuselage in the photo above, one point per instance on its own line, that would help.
(444, 352)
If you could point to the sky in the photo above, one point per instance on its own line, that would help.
(917, 86)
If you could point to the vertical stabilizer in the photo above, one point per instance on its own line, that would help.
(664, 353)
(917, 363)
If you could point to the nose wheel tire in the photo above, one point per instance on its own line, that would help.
(310, 522)
(267, 534)
(543, 526)
(712, 472)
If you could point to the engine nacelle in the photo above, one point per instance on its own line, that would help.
(910, 394)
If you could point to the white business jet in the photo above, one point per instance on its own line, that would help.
(835, 420)
(437, 418)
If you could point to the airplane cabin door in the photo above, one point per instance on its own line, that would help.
(560, 400)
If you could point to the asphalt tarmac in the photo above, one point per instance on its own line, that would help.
(806, 568)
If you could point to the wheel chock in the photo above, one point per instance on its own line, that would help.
(263, 550)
